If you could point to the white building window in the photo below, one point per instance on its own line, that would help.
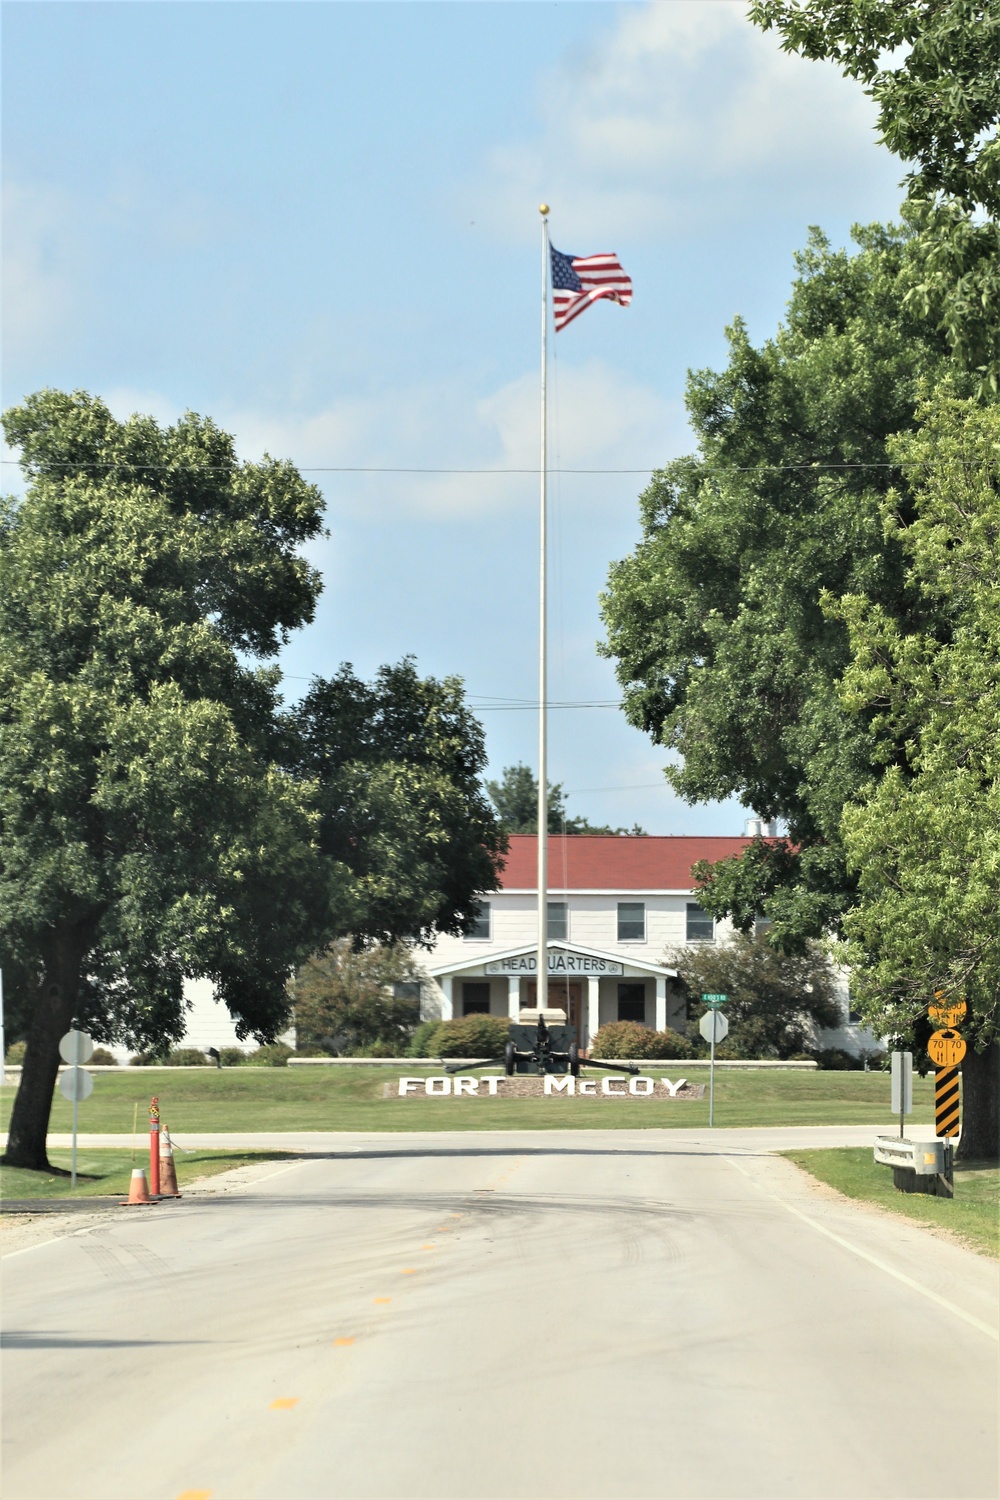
(632, 1002)
(700, 926)
(481, 926)
(557, 919)
(631, 921)
(476, 997)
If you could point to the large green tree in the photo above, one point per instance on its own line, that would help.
(515, 798)
(924, 834)
(933, 69)
(161, 814)
(724, 651)
(776, 1001)
(346, 1000)
(406, 830)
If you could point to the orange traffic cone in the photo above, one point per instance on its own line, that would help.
(168, 1172)
(138, 1191)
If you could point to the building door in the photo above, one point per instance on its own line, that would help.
(564, 994)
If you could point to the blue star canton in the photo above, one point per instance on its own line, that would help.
(564, 278)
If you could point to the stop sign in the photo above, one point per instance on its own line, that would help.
(713, 1026)
(76, 1047)
(75, 1084)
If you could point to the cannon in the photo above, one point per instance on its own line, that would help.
(541, 1042)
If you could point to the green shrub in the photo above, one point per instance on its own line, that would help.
(471, 1036)
(382, 1049)
(232, 1057)
(274, 1055)
(422, 1043)
(348, 1002)
(102, 1058)
(15, 1054)
(837, 1060)
(632, 1039)
(186, 1057)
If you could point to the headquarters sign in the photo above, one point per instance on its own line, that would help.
(561, 964)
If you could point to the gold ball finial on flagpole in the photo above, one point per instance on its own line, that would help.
(543, 208)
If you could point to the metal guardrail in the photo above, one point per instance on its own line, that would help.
(918, 1166)
(926, 1158)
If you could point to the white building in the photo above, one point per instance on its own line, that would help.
(615, 905)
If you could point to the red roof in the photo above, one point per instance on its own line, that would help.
(582, 862)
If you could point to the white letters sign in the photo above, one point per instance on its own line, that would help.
(466, 1087)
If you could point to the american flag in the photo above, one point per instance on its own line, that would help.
(579, 280)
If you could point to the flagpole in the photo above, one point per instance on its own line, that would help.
(542, 983)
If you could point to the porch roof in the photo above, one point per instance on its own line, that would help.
(495, 956)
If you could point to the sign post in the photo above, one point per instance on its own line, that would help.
(901, 1087)
(714, 1028)
(75, 1047)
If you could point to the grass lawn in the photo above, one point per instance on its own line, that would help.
(352, 1099)
(101, 1171)
(973, 1214)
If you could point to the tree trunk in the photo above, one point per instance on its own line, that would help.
(53, 1016)
(980, 1105)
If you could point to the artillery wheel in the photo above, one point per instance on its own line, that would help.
(574, 1059)
(508, 1059)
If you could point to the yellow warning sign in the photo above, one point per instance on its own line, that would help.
(947, 1014)
(946, 1049)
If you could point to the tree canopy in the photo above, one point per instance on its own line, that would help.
(407, 832)
(162, 814)
(776, 1000)
(348, 1002)
(515, 798)
(923, 835)
(933, 69)
(723, 648)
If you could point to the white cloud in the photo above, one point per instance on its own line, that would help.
(687, 116)
(37, 266)
(599, 419)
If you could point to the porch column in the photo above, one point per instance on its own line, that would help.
(593, 1007)
(447, 1005)
(661, 1003)
(513, 996)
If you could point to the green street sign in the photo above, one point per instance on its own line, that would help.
(714, 1000)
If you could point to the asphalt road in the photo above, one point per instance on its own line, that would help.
(587, 1314)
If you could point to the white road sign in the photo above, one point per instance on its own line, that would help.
(76, 1047)
(713, 1021)
(76, 1084)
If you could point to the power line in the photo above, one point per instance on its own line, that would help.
(490, 703)
(804, 467)
(632, 786)
(485, 708)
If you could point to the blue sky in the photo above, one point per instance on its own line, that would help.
(318, 224)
